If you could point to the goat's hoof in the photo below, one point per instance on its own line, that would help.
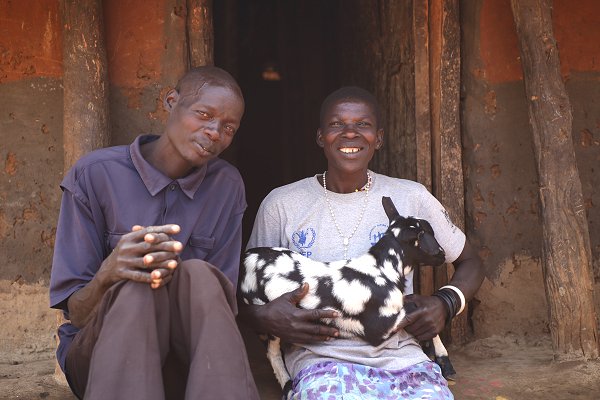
(448, 371)
(287, 390)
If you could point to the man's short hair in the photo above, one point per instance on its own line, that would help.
(351, 93)
(196, 78)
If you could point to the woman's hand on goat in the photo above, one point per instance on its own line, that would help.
(283, 318)
(428, 318)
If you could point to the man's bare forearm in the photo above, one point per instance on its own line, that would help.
(82, 303)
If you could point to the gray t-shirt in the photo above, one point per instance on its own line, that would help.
(296, 216)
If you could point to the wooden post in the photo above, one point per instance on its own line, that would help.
(85, 117)
(85, 113)
(199, 27)
(422, 119)
(447, 172)
(566, 248)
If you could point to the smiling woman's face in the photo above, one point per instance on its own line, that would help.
(349, 135)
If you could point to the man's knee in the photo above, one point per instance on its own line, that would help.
(206, 279)
(200, 271)
(131, 292)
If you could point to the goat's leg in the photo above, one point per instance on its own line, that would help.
(442, 359)
(276, 359)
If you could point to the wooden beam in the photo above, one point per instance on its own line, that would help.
(422, 92)
(200, 36)
(447, 171)
(85, 117)
(422, 119)
(566, 249)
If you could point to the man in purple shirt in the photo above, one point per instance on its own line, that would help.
(147, 255)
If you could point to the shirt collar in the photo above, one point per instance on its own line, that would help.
(154, 180)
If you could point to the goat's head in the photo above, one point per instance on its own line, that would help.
(415, 236)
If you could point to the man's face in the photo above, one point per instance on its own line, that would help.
(349, 135)
(202, 124)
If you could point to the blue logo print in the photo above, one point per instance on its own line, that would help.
(377, 232)
(303, 239)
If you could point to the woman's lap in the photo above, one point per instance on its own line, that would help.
(331, 380)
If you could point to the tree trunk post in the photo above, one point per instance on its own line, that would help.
(85, 85)
(200, 36)
(566, 254)
(446, 143)
(85, 117)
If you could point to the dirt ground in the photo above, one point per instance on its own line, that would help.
(506, 367)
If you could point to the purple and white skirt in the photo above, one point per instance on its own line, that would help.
(333, 381)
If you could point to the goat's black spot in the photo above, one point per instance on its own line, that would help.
(325, 295)
(295, 274)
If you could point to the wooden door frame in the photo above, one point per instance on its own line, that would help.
(436, 35)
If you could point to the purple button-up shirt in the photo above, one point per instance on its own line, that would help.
(110, 190)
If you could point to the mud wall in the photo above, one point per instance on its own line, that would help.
(30, 136)
(501, 180)
(145, 57)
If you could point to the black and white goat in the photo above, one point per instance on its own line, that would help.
(366, 291)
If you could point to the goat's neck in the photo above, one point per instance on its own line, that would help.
(381, 252)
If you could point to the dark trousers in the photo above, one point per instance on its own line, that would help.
(179, 341)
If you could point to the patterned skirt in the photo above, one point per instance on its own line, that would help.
(333, 381)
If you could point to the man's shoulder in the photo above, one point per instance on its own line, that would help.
(102, 155)
(219, 168)
(106, 154)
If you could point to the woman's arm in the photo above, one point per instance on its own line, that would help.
(431, 312)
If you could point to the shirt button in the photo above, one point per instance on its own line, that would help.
(172, 186)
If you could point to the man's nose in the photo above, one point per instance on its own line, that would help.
(213, 130)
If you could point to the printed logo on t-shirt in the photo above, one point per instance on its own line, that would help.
(377, 232)
(303, 240)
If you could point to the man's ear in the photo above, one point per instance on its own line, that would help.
(379, 141)
(320, 138)
(170, 100)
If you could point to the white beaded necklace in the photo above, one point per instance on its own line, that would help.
(346, 239)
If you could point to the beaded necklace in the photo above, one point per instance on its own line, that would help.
(346, 239)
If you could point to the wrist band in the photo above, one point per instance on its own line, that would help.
(450, 301)
(460, 294)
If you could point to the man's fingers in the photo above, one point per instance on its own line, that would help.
(156, 237)
(168, 229)
(139, 232)
(159, 259)
(162, 282)
(171, 246)
(160, 277)
(136, 275)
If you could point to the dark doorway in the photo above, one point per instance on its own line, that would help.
(286, 59)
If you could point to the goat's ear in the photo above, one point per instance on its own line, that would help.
(390, 208)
